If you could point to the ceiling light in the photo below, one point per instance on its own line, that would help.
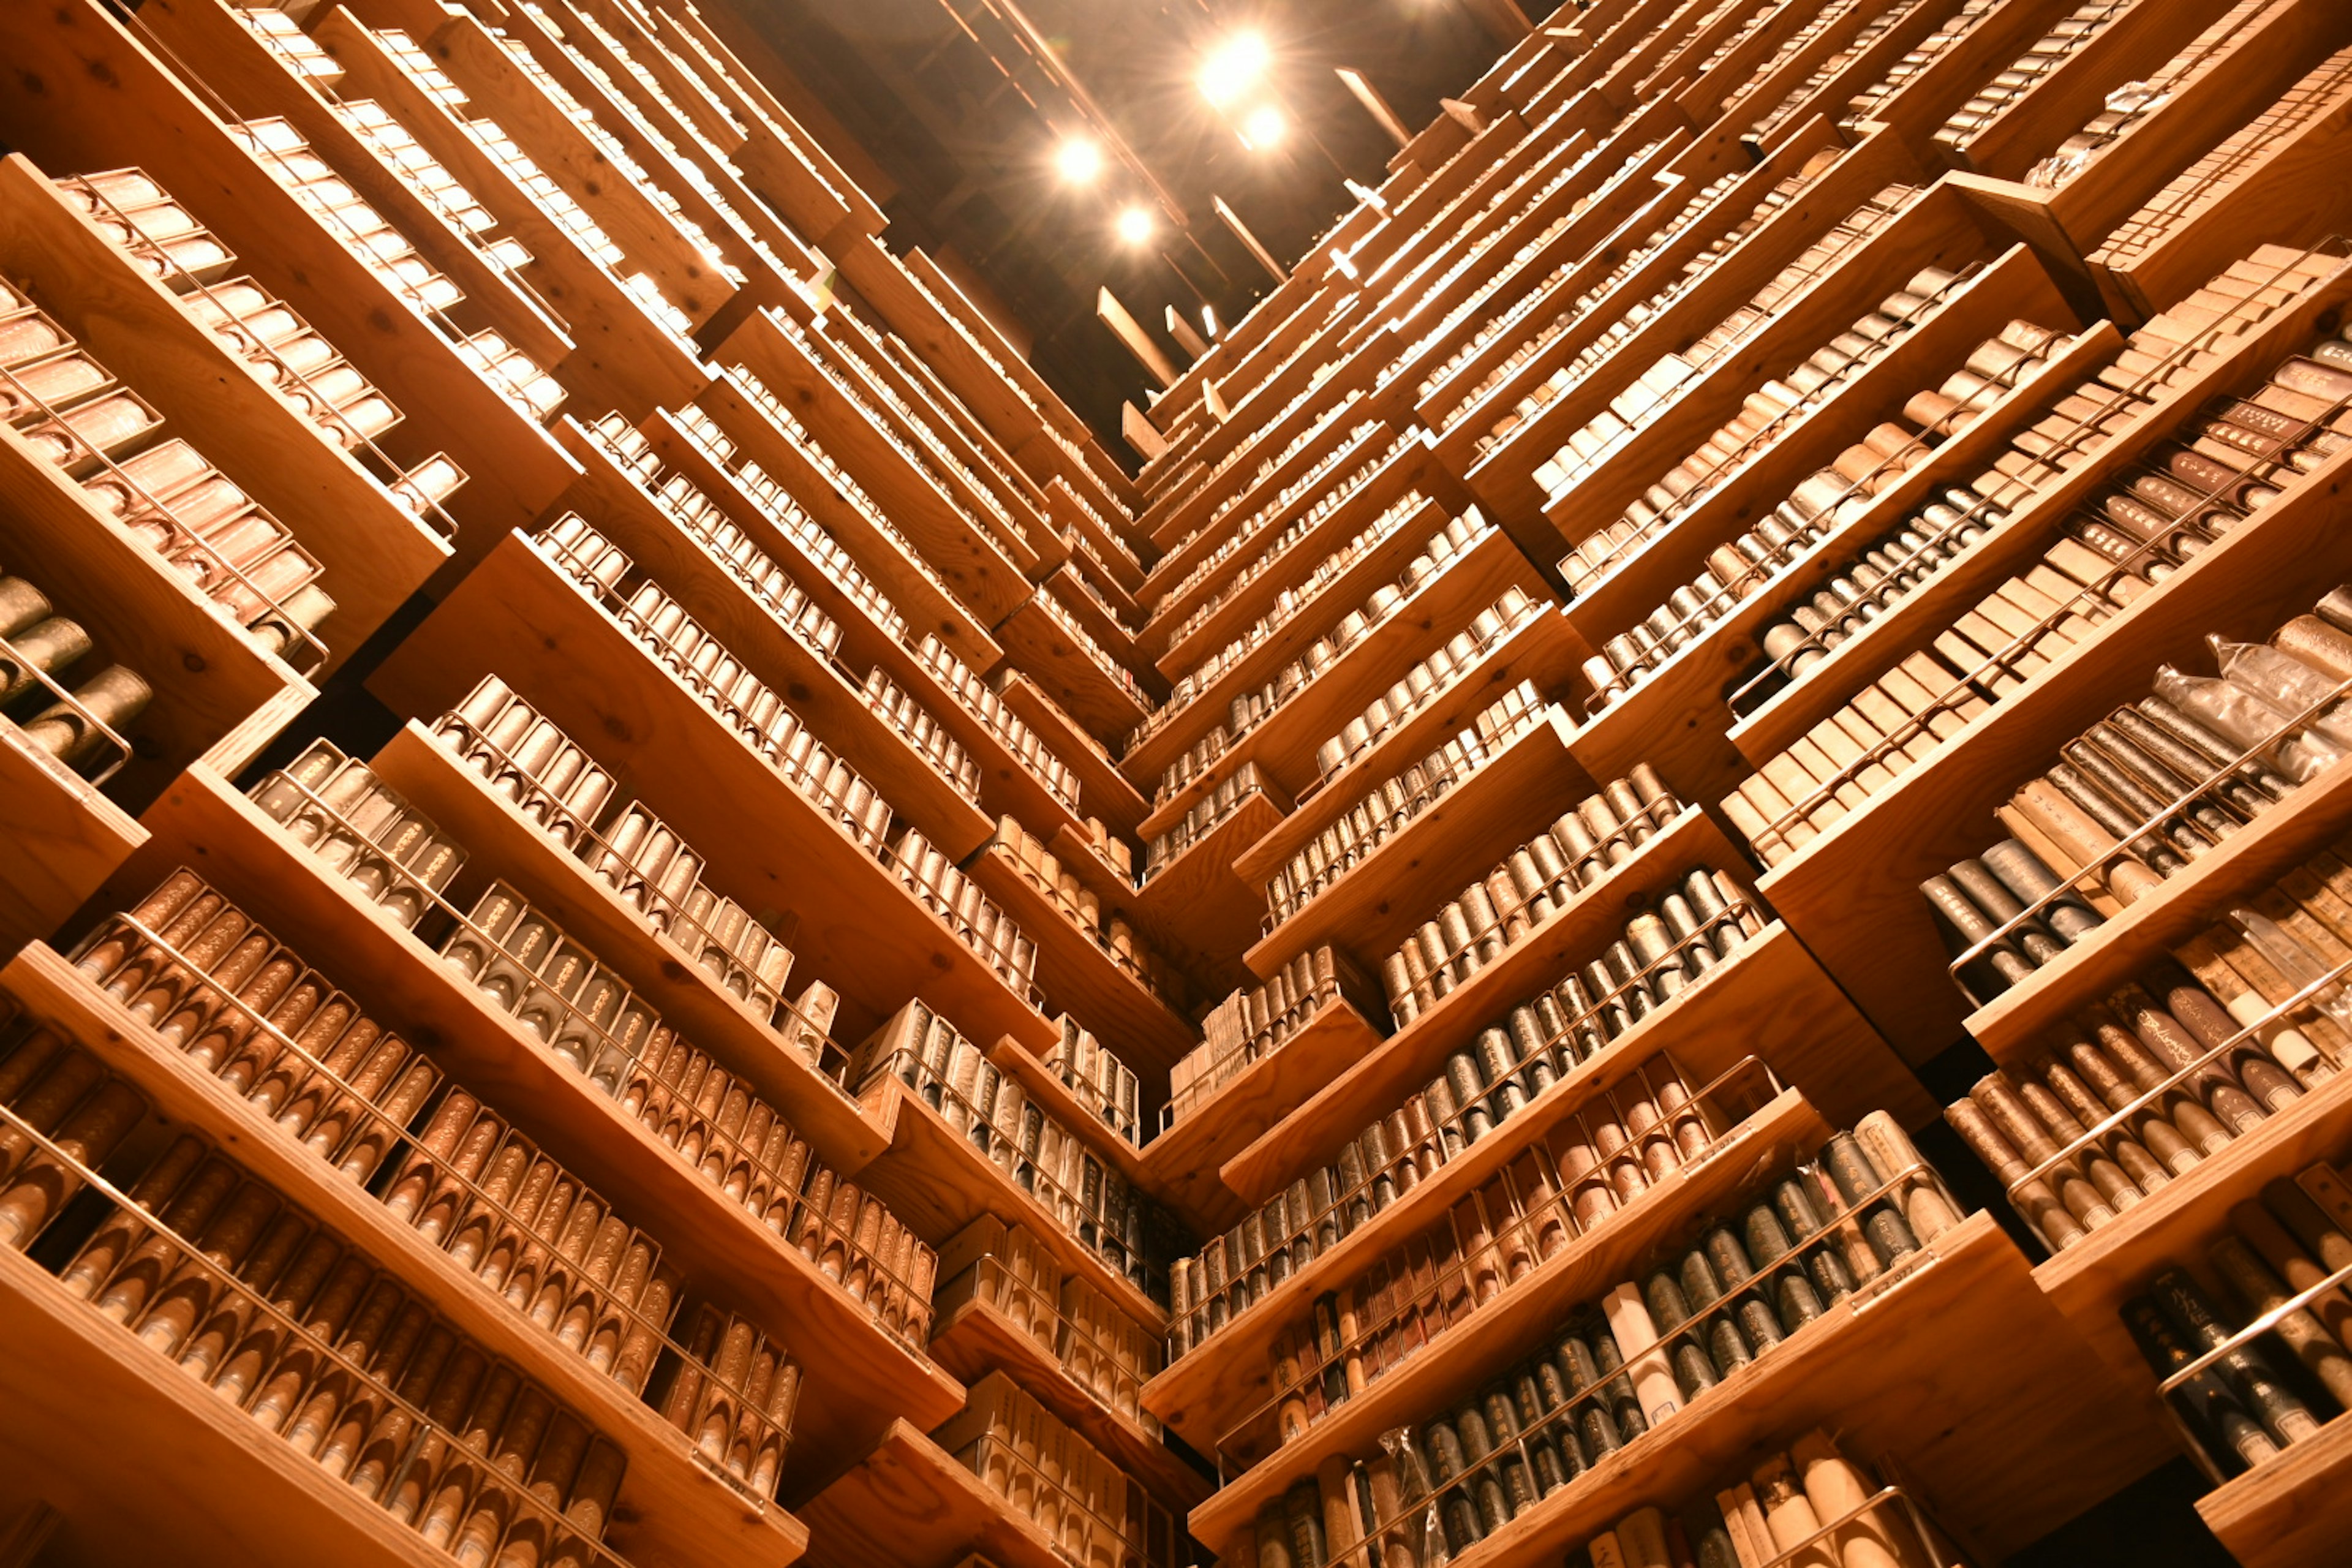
(1135, 226)
(1232, 68)
(1208, 321)
(1264, 126)
(1078, 161)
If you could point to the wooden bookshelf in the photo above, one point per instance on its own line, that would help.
(110, 102)
(1314, 616)
(1237, 605)
(938, 1181)
(1167, 588)
(1541, 650)
(1515, 792)
(2287, 192)
(216, 45)
(2013, 288)
(495, 834)
(820, 692)
(989, 582)
(550, 132)
(1674, 716)
(1284, 743)
(856, 1376)
(1233, 1411)
(859, 927)
(1006, 783)
(374, 552)
(1503, 478)
(1853, 890)
(1961, 1404)
(976, 1338)
(2131, 46)
(64, 836)
(1185, 1159)
(907, 1503)
(1077, 972)
(614, 354)
(784, 164)
(920, 596)
(2246, 863)
(1935, 229)
(675, 1508)
(1916, 108)
(1806, 1029)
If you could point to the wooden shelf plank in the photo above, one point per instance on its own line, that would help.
(1195, 911)
(819, 691)
(62, 837)
(1103, 790)
(1496, 806)
(1039, 646)
(938, 1181)
(977, 1338)
(374, 552)
(672, 1508)
(421, 767)
(1185, 1159)
(2293, 1512)
(856, 1376)
(859, 928)
(910, 1504)
(209, 677)
(1079, 975)
(1471, 1351)
(1540, 649)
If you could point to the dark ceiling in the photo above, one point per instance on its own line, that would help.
(960, 104)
